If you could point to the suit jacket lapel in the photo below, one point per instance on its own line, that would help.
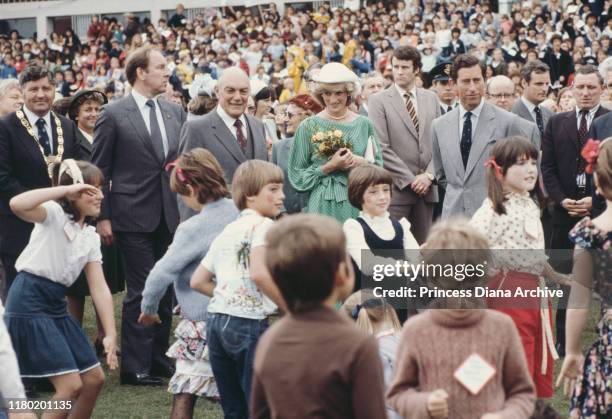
(421, 111)
(29, 143)
(452, 138)
(226, 138)
(400, 107)
(53, 134)
(524, 112)
(482, 136)
(140, 127)
(83, 142)
(260, 149)
(571, 128)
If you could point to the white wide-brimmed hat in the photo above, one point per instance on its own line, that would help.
(335, 73)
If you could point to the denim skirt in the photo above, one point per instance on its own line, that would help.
(46, 339)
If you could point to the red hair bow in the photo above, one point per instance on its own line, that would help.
(492, 163)
(179, 172)
(590, 152)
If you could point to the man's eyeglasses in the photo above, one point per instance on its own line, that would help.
(502, 96)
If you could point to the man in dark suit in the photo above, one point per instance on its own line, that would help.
(443, 86)
(535, 77)
(227, 132)
(563, 172)
(31, 140)
(601, 128)
(134, 139)
(559, 61)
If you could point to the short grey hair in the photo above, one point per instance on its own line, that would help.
(605, 67)
(7, 85)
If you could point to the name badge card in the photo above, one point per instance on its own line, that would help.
(474, 373)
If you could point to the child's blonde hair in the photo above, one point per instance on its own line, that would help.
(505, 154)
(251, 177)
(368, 310)
(455, 242)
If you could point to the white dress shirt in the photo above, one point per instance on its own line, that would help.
(589, 118)
(411, 93)
(381, 226)
(33, 118)
(531, 108)
(145, 111)
(475, 115)
(229, 122)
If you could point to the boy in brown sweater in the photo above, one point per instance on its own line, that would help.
(445, 351)
(314, 362)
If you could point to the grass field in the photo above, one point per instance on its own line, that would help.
(125, 402)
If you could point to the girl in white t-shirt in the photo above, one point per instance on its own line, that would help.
(47, 340)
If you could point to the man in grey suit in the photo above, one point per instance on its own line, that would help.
(227, 132)
(463, 138)
(134, 138)
(535, 81)
(372, 84)
(402, 117)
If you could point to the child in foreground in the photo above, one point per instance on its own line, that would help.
(230, 273)
(589, 380)
(198, 178)
(332, 368)
(438, 346)
(47, 340)
(510, 219)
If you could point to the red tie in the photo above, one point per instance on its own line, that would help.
(240, 135)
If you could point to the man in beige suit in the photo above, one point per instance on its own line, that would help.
(402, 116)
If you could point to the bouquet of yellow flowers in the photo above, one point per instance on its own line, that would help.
(329, 142)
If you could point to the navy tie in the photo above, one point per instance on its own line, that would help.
(161, 146)
(539, 120)
(43, 137)
(466, 138)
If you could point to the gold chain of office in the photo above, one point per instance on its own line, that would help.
(49, 160)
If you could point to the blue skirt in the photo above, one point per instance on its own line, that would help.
(46, 339)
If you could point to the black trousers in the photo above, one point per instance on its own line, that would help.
(561, 260)
(8, 266)
(143, 348)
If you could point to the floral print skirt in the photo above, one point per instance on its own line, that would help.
(193, 371)
(592, 397)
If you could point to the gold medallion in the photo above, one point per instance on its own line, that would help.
(49, 160)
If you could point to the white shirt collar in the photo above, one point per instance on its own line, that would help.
(591, 113)
(530, 106)
(87, 136)
(229, 121)
(33, 118)
(374, 220)
(141, 100)
(475, 112)
(403, 92)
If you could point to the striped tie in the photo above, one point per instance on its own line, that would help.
(412, 111)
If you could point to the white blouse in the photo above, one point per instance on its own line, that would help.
(59, 248)
(517, 236)
(382, 226)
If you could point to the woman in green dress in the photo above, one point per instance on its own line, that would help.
(310, 169)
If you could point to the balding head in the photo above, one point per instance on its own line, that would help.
(501, 92)
(233, 91)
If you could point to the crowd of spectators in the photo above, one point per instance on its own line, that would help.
(278, 49)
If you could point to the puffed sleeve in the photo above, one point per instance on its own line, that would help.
(55, 214)
(304, 173)
(95, 253)
(483, 218)
(378, 158)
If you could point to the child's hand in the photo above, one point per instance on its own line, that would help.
(571, 370)
(75, 191)
(437, 404)
(149, 319)
(110, 349)
(562, 279)
(491, 416)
